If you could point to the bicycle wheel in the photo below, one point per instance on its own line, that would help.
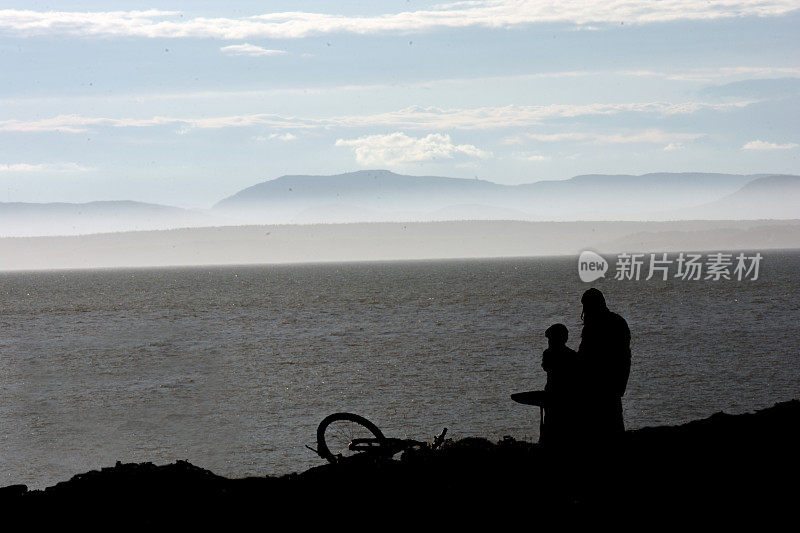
(337, 431)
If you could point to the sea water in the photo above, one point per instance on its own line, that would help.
(232, 368)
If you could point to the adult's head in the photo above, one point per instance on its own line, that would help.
(594, 303)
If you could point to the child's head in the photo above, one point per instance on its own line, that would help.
(557, 335)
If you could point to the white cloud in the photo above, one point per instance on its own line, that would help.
(432, 118)
(694, 74)
(532, 157)
(556, 137)
(654, 136)
(514, 139)
(64, 123)
(277, 136)
(398, 148)
(764, 145)
(647, 136)
(78, 123)
(414, 117)
(295, 24)
(673, 147)
(711, 74)
(249, 50)
(452, 84)
(283, 136)
(43, 167)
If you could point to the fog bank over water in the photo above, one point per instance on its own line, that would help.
(384, 196)
(388, 241)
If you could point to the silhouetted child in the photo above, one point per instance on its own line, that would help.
(560, 363)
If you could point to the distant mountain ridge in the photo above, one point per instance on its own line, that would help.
(364, 182)
(384, 196)
(401, 197)
(59, 218)
(359, 184)
(98, 206)
(775, 196)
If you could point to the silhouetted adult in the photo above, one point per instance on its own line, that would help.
(604, 356)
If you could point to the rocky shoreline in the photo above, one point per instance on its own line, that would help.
(721, 465)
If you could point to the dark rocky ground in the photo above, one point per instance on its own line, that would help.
(720, 468)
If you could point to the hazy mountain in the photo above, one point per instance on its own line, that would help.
(383, 196)
(773, 197)
(627, 197)
(23, 219)
(393, 196)
(380, 191)
(363, 184)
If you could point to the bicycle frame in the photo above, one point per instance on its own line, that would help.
(373, 445)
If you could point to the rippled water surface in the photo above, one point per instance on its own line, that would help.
(232, 368)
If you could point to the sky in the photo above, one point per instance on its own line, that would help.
(185, 103)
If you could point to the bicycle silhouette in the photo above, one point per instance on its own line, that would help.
(343, 435)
